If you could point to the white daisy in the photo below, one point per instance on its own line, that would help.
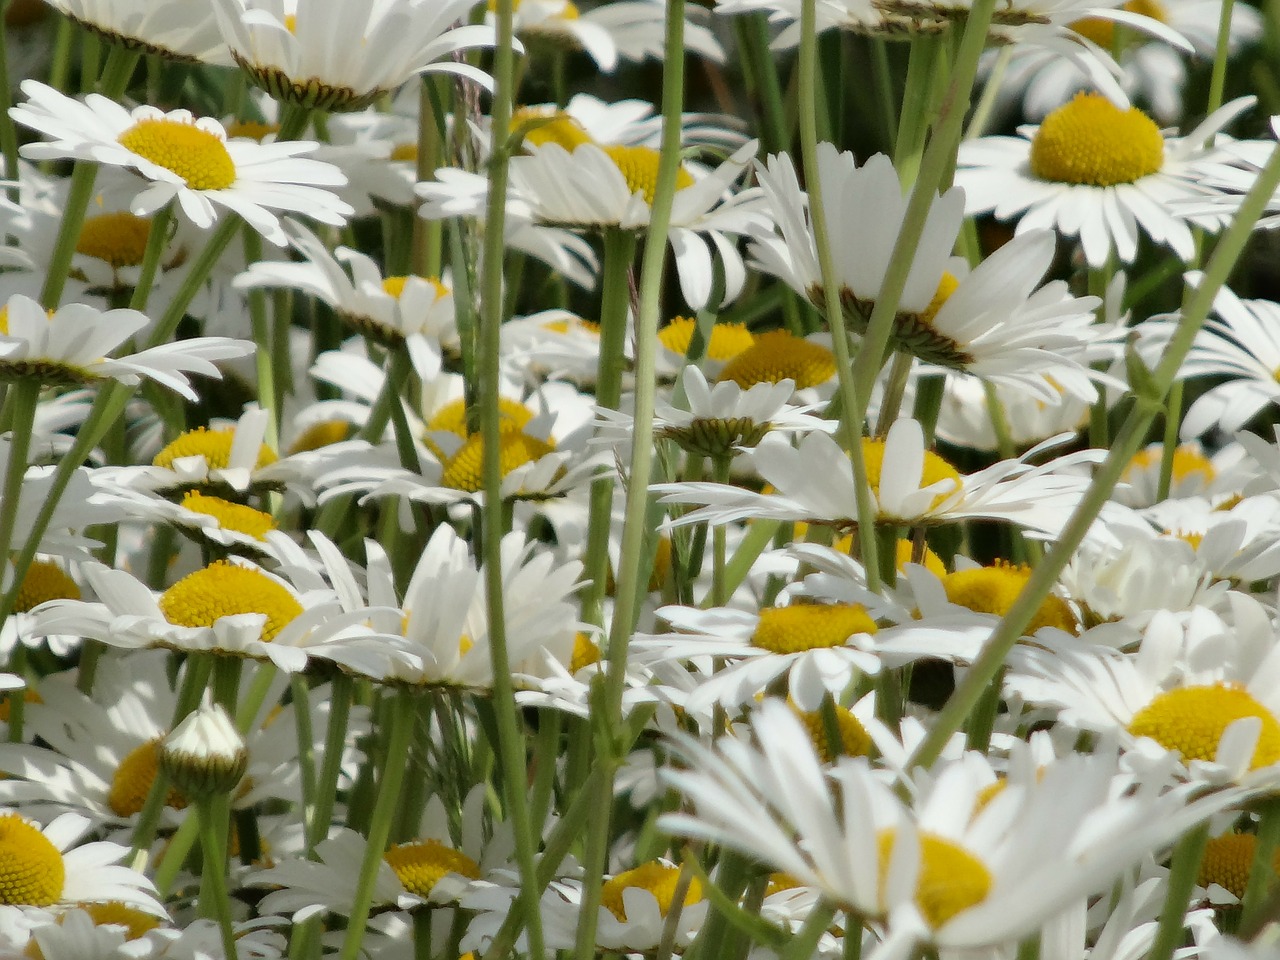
(1094, 171)
(342, 56)
(185, 158)
(168, 28)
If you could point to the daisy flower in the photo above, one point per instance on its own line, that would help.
(185, 158)
(165, 28)
(965, 417)
(612, 187)
(909, 485)
(333, 55)
(70, 346)
(1096, 172)
(636, 28)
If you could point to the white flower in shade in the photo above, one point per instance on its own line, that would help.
(184, 158)
(335, 55)
(43, 867)
(70, 346)
(168, 28)
(205, 753)
(956, 867)
(593, 187)
(630, 122)
(965, 418)
(637, 30)
(1094, 171)
(909, 485)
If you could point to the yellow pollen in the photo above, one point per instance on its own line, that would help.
(119, 239)
(585, 652)
(1103, 32)
(930, 561)
(854, 739)
(810, 626)
(777, 355)
(31, 868)
(935, 469)
(199, 157)
(404, 152)
(564, 326)
(543, 128)
(422, 864)
(291, 23)
(1188, 461)
(946, 287)
(994, 589)
(657, 878)
(1192, 721)
(213, 445)
(231, 516)
(951, 879)
(452, 417)
(116, 914)
(1193, 539)
(780, 881)
(225, 589)
(462, 470)
(639, 166)
(394, 286)
(133, 779)
(321, 434)
(252, 129)
(44, 581)
(726, 341)
(1092, 141)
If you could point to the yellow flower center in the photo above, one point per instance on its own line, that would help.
(777, 355)
(854, 739)
(321, 434)
(585, 652)
(1092, 141)
(994, 589)
(1188, 460)
(119, 239)
(394, 286)
(935, 469)
(809, 626)
(452, 417)
(199, 157)
(657, 878)
(1227, 860)
(404, 152)
(951, 879)
(213, 445)
(726, 341)
(462, 470)
(31, 868)
(133, 779)
(225, 589)
(946, 287)
(44, 581)
(780, 881)
(421, 865)
(231, 516)
(1192, 721)
(543, 128)
(1103, 32)
(252, 129)
(906, 550)
(639, 166)
(116, 914)
(564, 326)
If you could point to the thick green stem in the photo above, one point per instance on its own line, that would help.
(20, 411)
(260, 323)
(157, 235)
(213, 874)
(1262, 870)
(1182, 878)
(321, 812)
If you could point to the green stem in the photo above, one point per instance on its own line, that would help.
(398, 739)
(213, 875)
(891, 402)
(1262, 871)
(157, 235)
(1172, 423)
(1150, 393)
(1182, 878)
(8, 131)
(195, 278)
(262, 354)
(1218, 77)
(20, 410)
(758, 62)
(321, 813)
(806, 941)
(719, 592)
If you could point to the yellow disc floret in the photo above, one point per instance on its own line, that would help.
(1103, 31)
(394, 286)
(654, 876)
(1092, 141)
(1192, 721)
(936, 470)
(951, 879)
(462, 471)
(810, 626)
(585, 652)
(213, 445)
(1188, 461)
(116, 914)
(196, 155)
(231, 516)
(225, 589)
(512, 414)
(133, 779)
(44, 581)
(946, 287)
(854, 739)
(119, 239)
(776, 356)
(421, 865)
(31, 868)
(906, 551)
(725, 342)
(1226, 862)
(639, 166)
(542, 127)
(994, 589)
(252, 129)
(321, 434)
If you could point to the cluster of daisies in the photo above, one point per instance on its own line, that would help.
(452, 508)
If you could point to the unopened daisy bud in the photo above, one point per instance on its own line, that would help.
(205, 755)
